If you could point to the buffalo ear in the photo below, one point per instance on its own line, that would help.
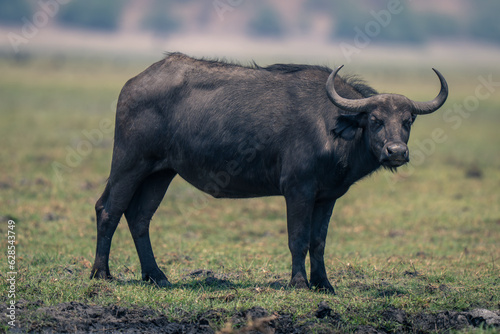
(348, 125)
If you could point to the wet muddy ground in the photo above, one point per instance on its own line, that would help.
(77, 317)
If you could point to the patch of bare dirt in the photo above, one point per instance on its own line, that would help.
(75, 317)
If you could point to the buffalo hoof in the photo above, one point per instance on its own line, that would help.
(100, 274)
(164, 283)
(299, 282)
(156, 277)
(324, 287)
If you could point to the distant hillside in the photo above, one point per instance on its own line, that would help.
(384, 20)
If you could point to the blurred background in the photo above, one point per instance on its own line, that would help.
(306, 30)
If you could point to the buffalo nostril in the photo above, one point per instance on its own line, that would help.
(393, 149)
(397, 150)
(395, 154)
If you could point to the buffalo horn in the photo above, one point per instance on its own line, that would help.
(350, 105)
(363, 105)
(422, 108)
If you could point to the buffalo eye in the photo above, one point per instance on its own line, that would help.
(407, 124)
(377, 124)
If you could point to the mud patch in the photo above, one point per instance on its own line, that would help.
(254, 319)
(394, 315)
(77, 317)
(455, 320)
(442, 321)
(209, 278)
(324, 310)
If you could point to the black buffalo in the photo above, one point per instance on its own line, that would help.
(298, 131)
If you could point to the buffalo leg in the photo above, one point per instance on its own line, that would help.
(109, 209)
(320, 221)
(299, 214)
(141, 209)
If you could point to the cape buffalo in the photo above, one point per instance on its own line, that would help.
(314, 133)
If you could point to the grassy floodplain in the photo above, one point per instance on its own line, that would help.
(421, 241)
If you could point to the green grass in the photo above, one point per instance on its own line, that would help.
(423, 240)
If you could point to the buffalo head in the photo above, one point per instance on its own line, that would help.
(386, 118)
